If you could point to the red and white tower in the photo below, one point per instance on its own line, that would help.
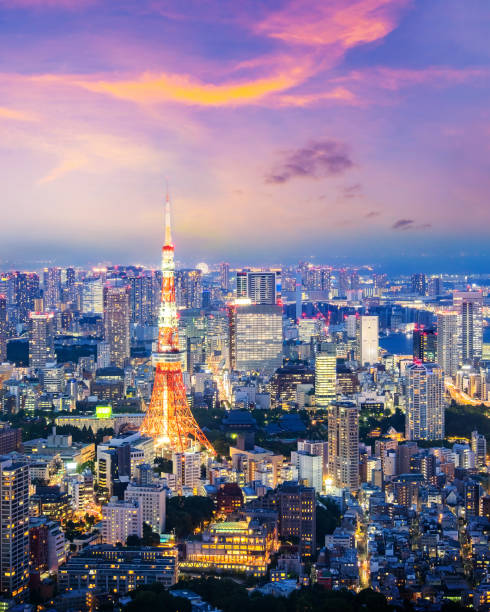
(169, 419)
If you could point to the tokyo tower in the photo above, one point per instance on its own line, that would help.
(169, 419)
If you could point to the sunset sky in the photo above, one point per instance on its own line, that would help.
(346, 131)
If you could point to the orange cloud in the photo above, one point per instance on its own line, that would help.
(184, 89)
(344, 22)
(15, 115)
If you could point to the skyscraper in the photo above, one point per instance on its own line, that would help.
(188, 288)
(141, 299)
(224, 276)
(3, 328)
(343, 445)
(41, 339)
(479, 447)
(52, 287)
(259, 287)
(425, 344)
(255, 339)
(14, 529)
(367, 339)
(26, 291)
(449, 341)
(419, 284)
(116, 323)
(470, 305)
(425, 407)
(325, 375)
(297, 515)
(93, 295)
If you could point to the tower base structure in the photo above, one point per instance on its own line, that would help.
(169, 420)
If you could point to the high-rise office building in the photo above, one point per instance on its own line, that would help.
(140, 299)
(116, 323)
(435, 286)
(26, 291)
(449, 341)
(259, 287)
(419, 284)
(121, 519)
(70, 282)
(93, 296)
(296, 506)
(425, 407)
(14, 529)
(424, 344)
(367, 339)
(479, 447)
(188, 288)
(255, 340)
(325, 375)
(52, 287)
(224, 276)
(41, 339)
(343, 445)
(343, 284)
(3, 328)
(470, 306)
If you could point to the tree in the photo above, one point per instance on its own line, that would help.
(150, 537)
(185, 514)
(133, 540)
(163, 465)
(327, 518)
(153, 598)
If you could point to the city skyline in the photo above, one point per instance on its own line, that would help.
(348, 131)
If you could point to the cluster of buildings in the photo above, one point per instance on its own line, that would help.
(310, 413)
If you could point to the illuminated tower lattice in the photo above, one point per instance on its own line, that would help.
(169, 419)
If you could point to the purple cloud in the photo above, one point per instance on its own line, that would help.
(409, 224)
(319, 159)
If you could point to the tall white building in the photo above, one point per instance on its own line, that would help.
(367, 339)
(316, 447)
(351, 326)
(151, 499)
(187, 469)
(343, 445)
(255, 337)
(470, 306)
(425, 403)
(310, 469)
(325, 375)
(449, 341)
(121, 519)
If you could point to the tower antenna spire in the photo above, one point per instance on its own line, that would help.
(168, 227)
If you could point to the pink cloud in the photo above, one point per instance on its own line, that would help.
(343, 22)
(16, 115)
